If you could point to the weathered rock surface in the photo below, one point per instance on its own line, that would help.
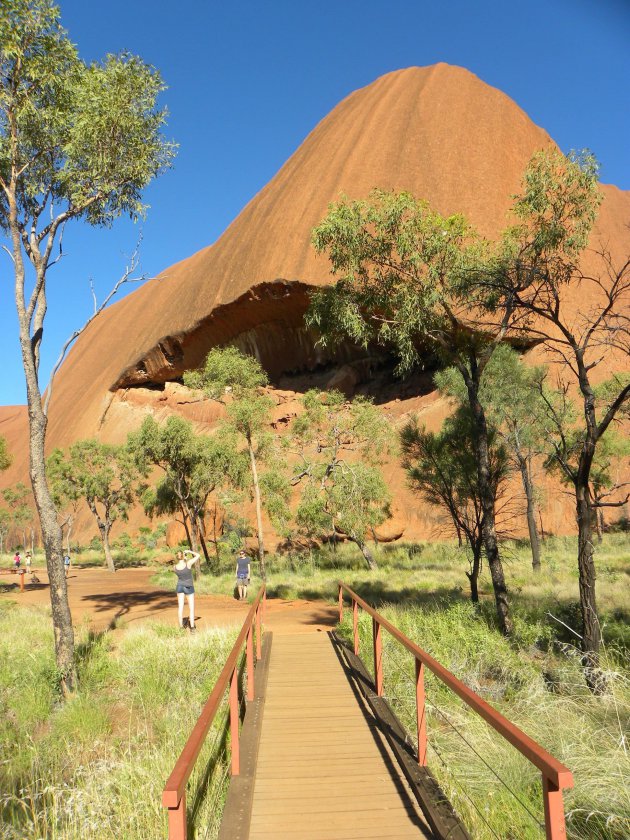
(438, 132)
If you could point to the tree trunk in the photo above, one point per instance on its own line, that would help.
(367, 554)
(51, 532)
(473, 574)
(202, 540)
(528, 487)
(591, 630)
(105, 528)
(68, 534)
(488, 503)
(261, 547)
(599, 524)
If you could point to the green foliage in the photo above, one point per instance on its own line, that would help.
(442, 467)
(227, 370)
(5, 457)
(402, 269)
(104, 475)
(193, 465)
(558, 205)
(20, 512)
(339, 445)
(86, 137)
(509, 394)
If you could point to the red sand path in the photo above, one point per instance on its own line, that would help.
(99, 598)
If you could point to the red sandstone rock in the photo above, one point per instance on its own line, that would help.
(438, 132)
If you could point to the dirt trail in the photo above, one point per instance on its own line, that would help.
(102, 599)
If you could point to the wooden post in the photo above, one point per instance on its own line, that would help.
(340, 605)
(234, 721)
(421, 714)
(355, 626)
(177, 820)
(250, 664)
(554, 810)
(21, 576)
(258, 634)
(378, 656)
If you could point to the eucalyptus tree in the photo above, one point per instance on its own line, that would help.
(406, 278)
(193, 467)
(106, 476)
(230, 376)
(513, 404)
(21, 512)
(579, 309)
(339, 446)
(77, 141)
(5, 457)
(442, 467)
(5, 527)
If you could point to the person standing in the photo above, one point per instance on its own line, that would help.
(185, 589)
(17, 559)
(243, 573)
(66, 564)
(28, 561)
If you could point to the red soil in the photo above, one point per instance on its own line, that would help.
(100, 599)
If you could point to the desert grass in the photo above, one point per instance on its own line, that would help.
(94, 766)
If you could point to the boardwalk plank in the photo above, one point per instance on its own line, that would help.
(324, 772)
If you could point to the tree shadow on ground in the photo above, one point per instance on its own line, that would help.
(124, 602)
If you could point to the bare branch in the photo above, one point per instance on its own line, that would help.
(126, 277)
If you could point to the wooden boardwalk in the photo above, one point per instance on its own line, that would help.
(324, 772)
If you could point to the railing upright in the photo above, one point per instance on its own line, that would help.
(174, 793)
(555, 776)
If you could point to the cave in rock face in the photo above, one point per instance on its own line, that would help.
(268, 323)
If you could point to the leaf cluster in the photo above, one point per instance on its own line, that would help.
(102, 474)
(403, 273)
(5, 455)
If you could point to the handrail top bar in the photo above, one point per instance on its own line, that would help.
(176, 782)
(553, 769)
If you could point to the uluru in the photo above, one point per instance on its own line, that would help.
(438, 132)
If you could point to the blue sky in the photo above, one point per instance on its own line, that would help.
(249, 79)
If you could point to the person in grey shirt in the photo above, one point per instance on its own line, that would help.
(185, 560)
(242, 574)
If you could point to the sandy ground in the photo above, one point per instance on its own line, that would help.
(102, 600)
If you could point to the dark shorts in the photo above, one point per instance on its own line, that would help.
(186, 590)
(241, 577)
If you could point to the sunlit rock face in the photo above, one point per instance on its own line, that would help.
(438, 132)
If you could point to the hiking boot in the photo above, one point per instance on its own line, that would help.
(193, 629)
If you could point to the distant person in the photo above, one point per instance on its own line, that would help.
(66, 563)
(17, 559)
(243, 574)
(28, 560)
(185, 560)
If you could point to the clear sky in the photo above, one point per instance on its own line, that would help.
(249, 79)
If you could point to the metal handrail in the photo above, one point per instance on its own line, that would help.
(174, 793)
(555, 776)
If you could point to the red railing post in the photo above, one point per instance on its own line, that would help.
(554, 810)
(421, 715)
(234, 721)
(378, 656)
(177, 820)
(250, 664)
(258, 636)
(340, 605)
(21, 576)
(355, 626)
